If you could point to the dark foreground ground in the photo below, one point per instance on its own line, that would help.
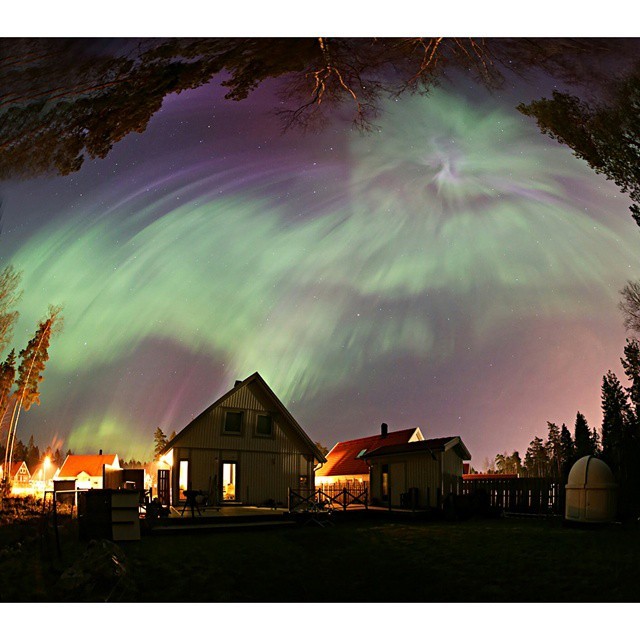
(358, 560)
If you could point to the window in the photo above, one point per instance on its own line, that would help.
(303, 482)
(233, 422)
(385, 482)
(264, 426)
(183, 475)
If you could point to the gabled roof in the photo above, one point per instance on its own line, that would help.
(259, 381)
(74, 465)
(432, 445)
(15, 467)
(343, 459)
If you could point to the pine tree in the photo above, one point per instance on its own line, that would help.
(9, 297)
(7, 377)
(582, 437)
(536, 460)
(160, 442)
(554, 450)
(33, 359)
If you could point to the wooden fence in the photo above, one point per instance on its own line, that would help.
(333, 498)
(519, 495)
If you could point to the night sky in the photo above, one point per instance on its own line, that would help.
(453, 270)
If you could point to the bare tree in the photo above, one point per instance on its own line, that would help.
(630, 305)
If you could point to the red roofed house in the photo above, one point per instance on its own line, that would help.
(86, 470)
(345, 464)
(19, 475)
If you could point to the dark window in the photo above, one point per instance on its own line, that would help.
(385, 482)
(233, 422)
(265, 426)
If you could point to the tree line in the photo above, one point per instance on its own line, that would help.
(33, 455)
(553, 456)
(617, 442)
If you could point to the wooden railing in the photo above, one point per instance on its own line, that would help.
(319, 499)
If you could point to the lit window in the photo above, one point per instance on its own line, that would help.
(183, 476)
(265, 426)
(233, 422)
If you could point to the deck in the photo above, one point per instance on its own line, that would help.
(223, 519)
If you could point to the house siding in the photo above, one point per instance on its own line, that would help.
(266, 465)
(434, 478)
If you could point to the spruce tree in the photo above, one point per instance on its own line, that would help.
(616, 414)
(629, 448)
(582, 437)
(567, 450)
(631, 365)
(32, 457)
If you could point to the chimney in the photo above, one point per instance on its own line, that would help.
(237, 383)
(384, 429)
(100, 452)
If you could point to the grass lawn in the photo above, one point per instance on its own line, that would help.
(502, 560)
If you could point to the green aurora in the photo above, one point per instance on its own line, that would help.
(452, 221)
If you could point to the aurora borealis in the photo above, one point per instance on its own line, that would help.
(454, 270)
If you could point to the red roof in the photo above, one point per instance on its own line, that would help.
(342, 460)
(74, 465)
(15, 467)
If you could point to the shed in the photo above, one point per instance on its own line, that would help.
(591, 492)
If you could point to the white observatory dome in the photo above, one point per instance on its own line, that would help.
(591, 492)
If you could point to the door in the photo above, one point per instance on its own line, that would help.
(398, 482)
(229, 482)
(163, 486)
